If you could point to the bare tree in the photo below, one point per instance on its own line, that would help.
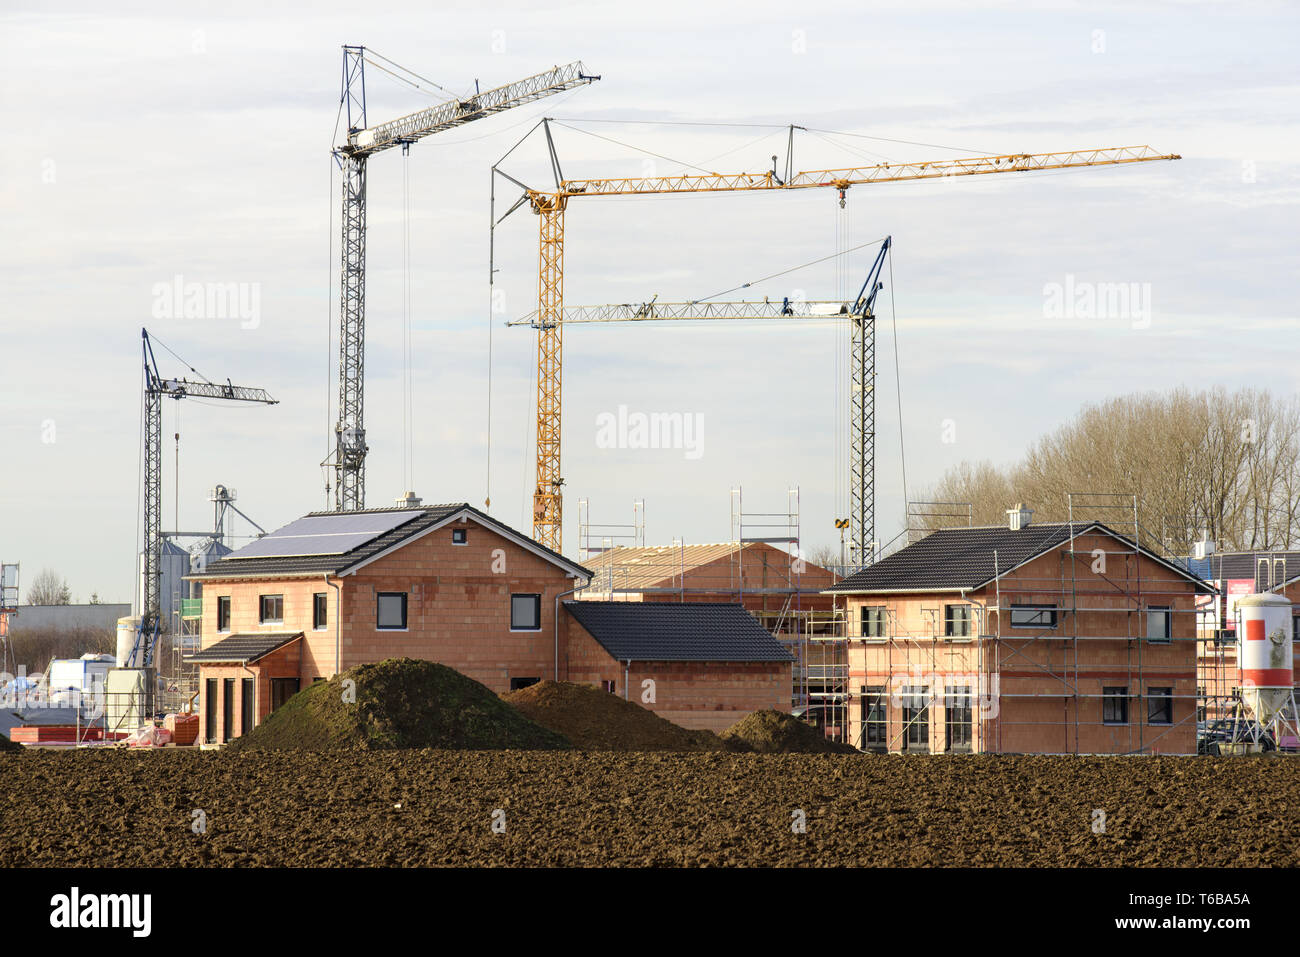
(1211, 462)
(48, 588)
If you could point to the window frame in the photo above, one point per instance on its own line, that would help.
(262, 618)
(1052, 609)
(1168, 612)
(537, 603)
(1165, 695)
(912, 728)
(873, 617)
(379, 597)
(874, 716)
(464, 536)
(223, 614)
(949, 622)
(959, 717)
(320, 606)
(1112, 695)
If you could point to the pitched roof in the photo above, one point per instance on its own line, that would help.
(677, 631)
(962, 559)
(242, 649)
(424, 519)
(657, 566)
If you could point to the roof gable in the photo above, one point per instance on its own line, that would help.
(677, 631)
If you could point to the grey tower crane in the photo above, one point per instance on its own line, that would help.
(362, 142)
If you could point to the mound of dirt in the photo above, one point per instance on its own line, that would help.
(399, 703)
(774, 732)
(595, 720)
(7, 746)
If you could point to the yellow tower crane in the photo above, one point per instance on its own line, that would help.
(550, 205)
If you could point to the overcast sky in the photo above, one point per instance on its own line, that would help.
(189, 142)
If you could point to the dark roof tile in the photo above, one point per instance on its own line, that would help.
(677, 631)
(243, 648)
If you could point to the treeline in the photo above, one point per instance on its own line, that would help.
(1226, 464)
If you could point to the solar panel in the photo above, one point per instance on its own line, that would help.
(324, 534)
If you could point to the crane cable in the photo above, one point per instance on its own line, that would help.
(898, 384)
(408, 433)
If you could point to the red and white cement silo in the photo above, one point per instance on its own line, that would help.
(1264, 655)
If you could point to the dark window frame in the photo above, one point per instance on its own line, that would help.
(958, 621)
(227, 709)
(210, 709)
(223, 614)
(537, 605)
(379, 604)
(320, 611)
(1169, 624)
(916, 720)
(1035, 612)
(958, 718)
(1163, 699)
(262, 617)
(1114, 697)
(519, 684)
(464, 536)
(873, 621)
(247, 705)
(874, 716)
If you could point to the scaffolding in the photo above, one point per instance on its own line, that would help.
(594, 539)
(1056, 661)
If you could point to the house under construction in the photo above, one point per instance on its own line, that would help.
(1068, 637)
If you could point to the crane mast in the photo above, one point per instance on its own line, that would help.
(550, 207)
(157, 388)
(363, 141)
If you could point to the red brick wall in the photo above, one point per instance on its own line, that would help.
(708, 695)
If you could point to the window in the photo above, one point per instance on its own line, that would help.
(1114, 706)
(460, 536)
(270, 609)
(390, 610)
(873, 622)
(1033, 616)
(282, 689)
(319, 610)
(875, 719)
(916, 718)
(1160, 705)
(223, 613)
(246, 700)
(1200, 704)
(1158, 624)
(517, 683)
(1295, 629)
(525, 612)
(210, 709)
(957, 717)
(608, 686)
(227, 709)
(956, 621)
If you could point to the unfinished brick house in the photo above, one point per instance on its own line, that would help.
(702, 665)
(334, 590)
(1062, 638)
(450, 584)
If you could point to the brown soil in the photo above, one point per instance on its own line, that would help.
(9, 746)
(335, 809)
(595, 720)
(397, 703)
(774, 732)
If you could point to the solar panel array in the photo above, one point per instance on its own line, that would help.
(325, 534)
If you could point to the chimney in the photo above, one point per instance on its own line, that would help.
(408, 500)
(1018, 516)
